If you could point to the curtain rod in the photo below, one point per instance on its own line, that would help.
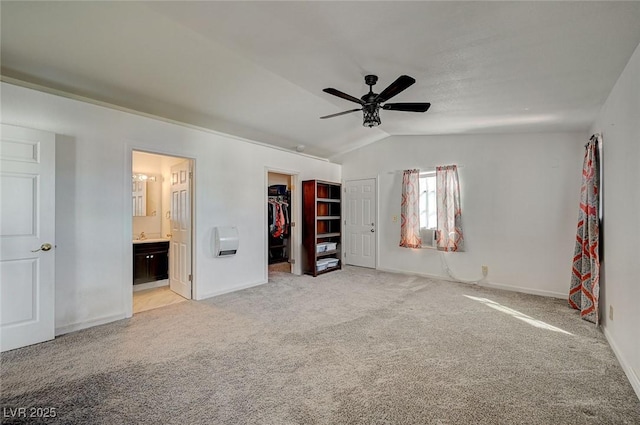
(429, 168)
(596, 136)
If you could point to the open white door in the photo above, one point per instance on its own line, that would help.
(180, 250)
(27, 242)
(360, 223)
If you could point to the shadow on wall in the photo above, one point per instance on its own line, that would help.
(66, 301)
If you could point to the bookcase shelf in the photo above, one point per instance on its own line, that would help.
(321, 226)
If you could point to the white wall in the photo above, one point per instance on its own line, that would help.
(619, 123)
(520, 196)
(93, 211)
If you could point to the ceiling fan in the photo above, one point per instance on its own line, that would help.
(372, 102)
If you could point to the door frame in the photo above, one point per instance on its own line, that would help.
(296, 234)
(127, 260)
(376, 208)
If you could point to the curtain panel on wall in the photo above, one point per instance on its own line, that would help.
(449, 236)
(584, 291)
(410, 210)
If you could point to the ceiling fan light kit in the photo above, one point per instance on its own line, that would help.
(372, 102)
(371, 115)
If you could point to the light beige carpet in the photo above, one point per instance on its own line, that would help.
(349, 347)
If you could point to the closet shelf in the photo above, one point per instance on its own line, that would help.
(326, 253)
(327, 270)
(328, 235)
(328, 200)
(328, 217)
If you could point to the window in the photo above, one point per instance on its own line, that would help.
(428, 208)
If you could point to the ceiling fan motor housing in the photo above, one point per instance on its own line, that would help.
(371, 102)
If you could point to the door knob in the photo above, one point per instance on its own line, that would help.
(372, 230)
(43, 247)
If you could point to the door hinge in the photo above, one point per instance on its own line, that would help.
(190, 278)
(190, 174)
(292, 261)
(293, 224)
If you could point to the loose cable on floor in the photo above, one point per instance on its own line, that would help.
(447, 269)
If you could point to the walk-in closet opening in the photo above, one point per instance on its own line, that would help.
(280, 222)
(161, 230)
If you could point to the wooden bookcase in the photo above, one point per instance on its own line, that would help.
(321, 225)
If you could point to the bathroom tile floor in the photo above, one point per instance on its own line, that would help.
(149, 299)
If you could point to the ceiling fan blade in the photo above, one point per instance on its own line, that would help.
(395, 88)
(407, 107)
(340, 113)
(343, 95)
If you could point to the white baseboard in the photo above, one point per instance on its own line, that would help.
(228, 290)
(150, 285)
(626, 367)
(61, 330)
(531, 291)
(483, 284)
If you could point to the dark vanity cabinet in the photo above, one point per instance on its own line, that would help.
(150, 262)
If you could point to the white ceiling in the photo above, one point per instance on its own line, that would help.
(257, 69)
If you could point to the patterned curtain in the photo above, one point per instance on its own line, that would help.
(410, 210)
(585, 278)
(449, 237)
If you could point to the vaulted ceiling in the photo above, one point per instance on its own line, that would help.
(257, 69)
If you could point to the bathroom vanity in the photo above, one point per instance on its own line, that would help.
(150, 260)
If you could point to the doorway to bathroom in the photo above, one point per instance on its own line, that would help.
(161, 194)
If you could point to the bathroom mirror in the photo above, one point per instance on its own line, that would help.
(146, 194)
(139, 196)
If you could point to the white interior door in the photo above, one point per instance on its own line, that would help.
(180, 250)
(360, 222)
(27, 230)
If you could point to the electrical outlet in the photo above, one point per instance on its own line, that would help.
(610, 312)
(394, 218)
(485, 270)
